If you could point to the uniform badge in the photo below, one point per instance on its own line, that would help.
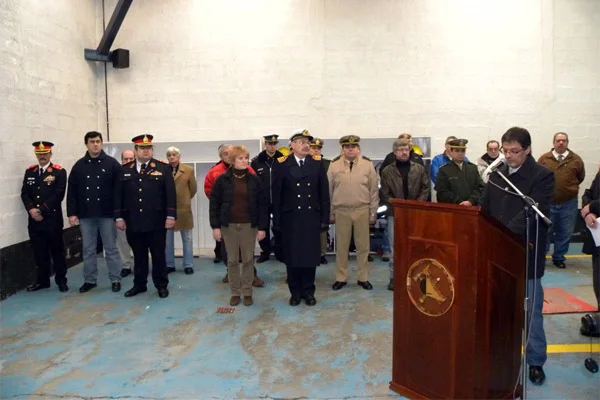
(49, 179)
(153, 165)
(156, 173)
(49, 169)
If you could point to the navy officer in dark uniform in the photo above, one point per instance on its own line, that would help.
(300, 212)
(145, 207)
(263, 164)
(42, 193)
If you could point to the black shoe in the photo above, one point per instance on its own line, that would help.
(63, 287)
(188, 270)
(294, 301)
(37, 286)
(135, 290)
(536, 375)
(337, 285)
(310, 300)
(170, 269)
(86, 287)
(217, 260)
(559, 264)
(391, 285)
(370, 258)
(323, 260)
(262, 258)
(163, 293)
(116, 287)
(365, 285)
(125, 272)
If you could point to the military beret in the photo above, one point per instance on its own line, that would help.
(42, 147)
(458, 143)
(143, 140)
(316, 142)
(271, 139)
(350, 139)
(301, 134)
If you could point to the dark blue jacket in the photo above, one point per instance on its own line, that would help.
(535, 181)
(145, 201)
(46, 193)
(92, 183)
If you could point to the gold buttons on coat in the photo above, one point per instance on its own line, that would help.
(298, 196)
(141, 210)
(297, 184)
(299, 208)
(308, 184)
(309, 207)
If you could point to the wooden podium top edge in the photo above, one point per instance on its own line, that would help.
(473, 211)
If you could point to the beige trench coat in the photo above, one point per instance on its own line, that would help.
(186, 187)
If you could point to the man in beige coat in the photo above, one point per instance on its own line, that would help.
(186, 187)
(354, 194)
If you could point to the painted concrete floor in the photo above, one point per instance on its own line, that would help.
(101, 345)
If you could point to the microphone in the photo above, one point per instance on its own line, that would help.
(495, 167)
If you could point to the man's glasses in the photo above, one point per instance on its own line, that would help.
(512, 151)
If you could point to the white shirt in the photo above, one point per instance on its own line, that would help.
(513, 170)
(42, 169)
(298, 159)
(555, 154)
(138, 165)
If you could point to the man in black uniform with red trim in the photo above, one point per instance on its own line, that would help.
(42, 193)
(145, 207)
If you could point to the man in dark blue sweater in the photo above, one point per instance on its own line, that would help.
(90, 205)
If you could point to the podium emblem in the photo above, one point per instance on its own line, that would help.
(430, 287)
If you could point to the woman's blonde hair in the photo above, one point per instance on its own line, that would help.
(237, 151)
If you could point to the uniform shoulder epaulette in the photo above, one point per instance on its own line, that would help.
(316, 158)
(282, 159)
(32, 166)
(336, 158)
(161, 161)
(366, 158)
(254, 158)
(57, 167)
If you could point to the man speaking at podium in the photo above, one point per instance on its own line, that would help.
(499, 200)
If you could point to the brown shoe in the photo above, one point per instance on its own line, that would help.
(248, 300)
(226, 278)
(257, 282)
(234, 301)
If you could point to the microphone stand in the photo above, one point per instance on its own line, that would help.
(530, 206)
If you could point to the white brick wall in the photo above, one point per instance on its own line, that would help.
(205, 69)
(47, 91)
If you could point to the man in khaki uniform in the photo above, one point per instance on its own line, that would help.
(354, 193)
(316, 145)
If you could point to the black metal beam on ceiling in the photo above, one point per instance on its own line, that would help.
(113, 26)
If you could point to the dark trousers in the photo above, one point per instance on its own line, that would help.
(596, 277)
(265, 244)
(218, 250)
(48, 248)
(140, 243)
(301, 281)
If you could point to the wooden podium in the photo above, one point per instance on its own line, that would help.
(458, 303)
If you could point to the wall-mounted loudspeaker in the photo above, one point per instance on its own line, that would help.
(120, 58)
